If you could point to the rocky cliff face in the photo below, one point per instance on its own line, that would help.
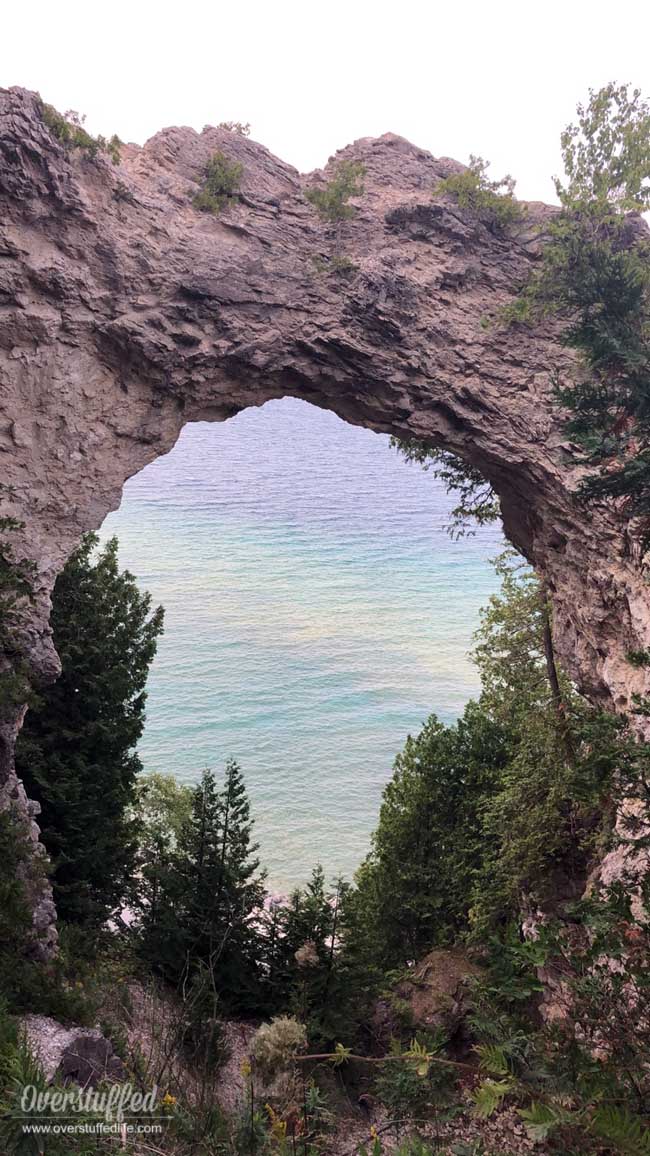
(125, 312)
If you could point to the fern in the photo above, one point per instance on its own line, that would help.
(493, 1059)
(542, 1119)
(625, 1132)
(489, 1096)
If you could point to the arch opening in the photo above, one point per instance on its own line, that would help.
(126, 314)
(316, 613)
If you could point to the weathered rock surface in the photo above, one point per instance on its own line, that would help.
(436, 995)
(72, 1055)
(125, 312)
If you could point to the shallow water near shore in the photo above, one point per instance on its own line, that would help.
(316, 612)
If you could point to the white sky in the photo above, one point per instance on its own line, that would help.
(498, 78)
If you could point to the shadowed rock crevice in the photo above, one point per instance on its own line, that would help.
(126, 312)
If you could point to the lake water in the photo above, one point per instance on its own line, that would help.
(316, 613)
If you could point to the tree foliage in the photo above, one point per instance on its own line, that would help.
(302, 961)
(200, 904)
(76, 751)
(477, 502)
(506, 806)
(595, 275)
(606, 153)
(414, 889)
(16, 581)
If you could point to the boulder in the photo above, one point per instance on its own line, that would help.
(72, 1054)
(435, 995)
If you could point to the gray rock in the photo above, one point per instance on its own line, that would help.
(72, 1055)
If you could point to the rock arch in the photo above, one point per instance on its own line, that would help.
(125, 312)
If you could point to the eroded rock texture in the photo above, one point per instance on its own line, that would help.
(125, 312)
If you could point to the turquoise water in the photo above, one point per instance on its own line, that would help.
(316, 613)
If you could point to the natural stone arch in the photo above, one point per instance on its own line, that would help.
(125, 313)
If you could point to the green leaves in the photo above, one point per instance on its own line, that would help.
(489, 1096)
(606, 153)
(542, 1119)
(221, 184)
(493, 1059)
(332, 201)
(341, 1055)
(618, 1127)
(420, 1057)
(70, 131)
(492, 202)
(490, 1093)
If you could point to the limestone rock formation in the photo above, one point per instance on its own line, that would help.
(72, 1055)
(126, 312)
(435, 995)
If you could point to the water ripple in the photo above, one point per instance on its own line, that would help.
(316, 613)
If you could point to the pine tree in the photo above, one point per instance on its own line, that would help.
(505, 807)
(211, 896)
(162, 811)
(76, 752)
(414, 889)
(301, 959)
(595, 276)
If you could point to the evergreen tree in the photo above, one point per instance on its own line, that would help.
(414, 889)
(76, 752)
(210, 896)
(503, 809)
(595, 276)
(294, 931)
(540, 827)
(301, 959)
(163, 808)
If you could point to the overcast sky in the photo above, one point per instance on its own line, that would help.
(496, 78)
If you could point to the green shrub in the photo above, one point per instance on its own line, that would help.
(331, 202)
(410, 1094)
(221, 184)
(492, 202)
(69, 130)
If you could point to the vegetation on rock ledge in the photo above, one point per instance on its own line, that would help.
(595, 276)
(69, 130)
(493, 202)
(332, 201)
(220, 185)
